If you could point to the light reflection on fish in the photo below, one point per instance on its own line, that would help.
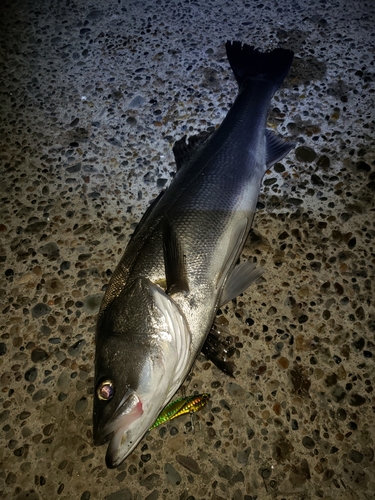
(180, 264)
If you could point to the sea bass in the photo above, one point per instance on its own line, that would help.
(180, 264)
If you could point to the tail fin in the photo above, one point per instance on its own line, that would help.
(248, 63)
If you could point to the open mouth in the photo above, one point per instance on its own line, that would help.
(127, 412)
(120, 430)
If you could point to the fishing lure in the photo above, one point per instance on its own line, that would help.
(190, 404)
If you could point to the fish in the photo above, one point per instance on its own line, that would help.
(180, 264)
(181, 406)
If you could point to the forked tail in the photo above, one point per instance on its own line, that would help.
(248, 63)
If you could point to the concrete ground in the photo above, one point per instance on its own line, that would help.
(93, 97)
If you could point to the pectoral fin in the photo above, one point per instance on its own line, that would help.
(242, 276)
(174, 260)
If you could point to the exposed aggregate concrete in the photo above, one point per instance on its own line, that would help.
(93, 96)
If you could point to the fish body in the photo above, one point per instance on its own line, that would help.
(179, 266)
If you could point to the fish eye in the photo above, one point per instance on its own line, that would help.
(105, 390)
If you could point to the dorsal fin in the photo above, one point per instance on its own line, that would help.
(184, 151)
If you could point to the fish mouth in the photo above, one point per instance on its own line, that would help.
(118, 429)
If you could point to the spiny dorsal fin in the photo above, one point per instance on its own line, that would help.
(148, 212)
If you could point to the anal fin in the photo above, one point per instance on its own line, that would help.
(240, 278)
(276, 148)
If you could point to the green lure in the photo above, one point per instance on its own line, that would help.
(190, 404)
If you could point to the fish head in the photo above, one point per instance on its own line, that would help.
(142, 351)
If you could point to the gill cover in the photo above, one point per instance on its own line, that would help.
(142, 351)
